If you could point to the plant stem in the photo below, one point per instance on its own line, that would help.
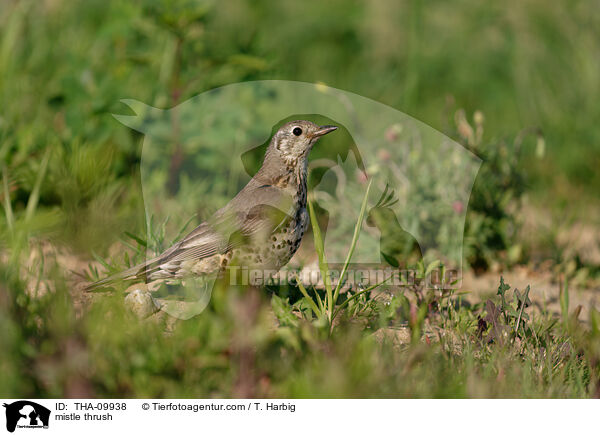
(357, 228)
(323, 266)
(312, 304)
(7, 205)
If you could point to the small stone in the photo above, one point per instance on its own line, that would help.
(141, 303)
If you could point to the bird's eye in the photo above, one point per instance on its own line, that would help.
(297, 131)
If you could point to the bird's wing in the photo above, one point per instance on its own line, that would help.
(261, 219)
(234, 226)
(230, 227)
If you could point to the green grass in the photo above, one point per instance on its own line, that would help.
(381, 341)
(328, 308)
(382, 346)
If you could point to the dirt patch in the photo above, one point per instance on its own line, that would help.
(545, 288)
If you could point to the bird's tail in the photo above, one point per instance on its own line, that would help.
(133, 273)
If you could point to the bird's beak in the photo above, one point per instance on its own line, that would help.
(323, 130)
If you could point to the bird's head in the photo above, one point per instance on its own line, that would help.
(294, 140)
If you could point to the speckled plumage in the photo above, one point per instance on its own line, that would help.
(261, 227)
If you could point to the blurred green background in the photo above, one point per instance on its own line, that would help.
(70, 171)
(64, 66)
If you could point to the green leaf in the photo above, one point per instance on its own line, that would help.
(595, 322)
(502, 288)
(523, 301)
(389, 259)
(283, 311)
(564, 300)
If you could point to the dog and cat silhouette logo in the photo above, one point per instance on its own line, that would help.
(25, 414)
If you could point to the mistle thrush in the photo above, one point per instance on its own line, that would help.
(261, 227)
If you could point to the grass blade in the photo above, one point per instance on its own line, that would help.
(10, 220)
(184, 228)
(312, 304)
(564, 300)
(323, 266)
(32, 202)
(135, 238)
(355, 236)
